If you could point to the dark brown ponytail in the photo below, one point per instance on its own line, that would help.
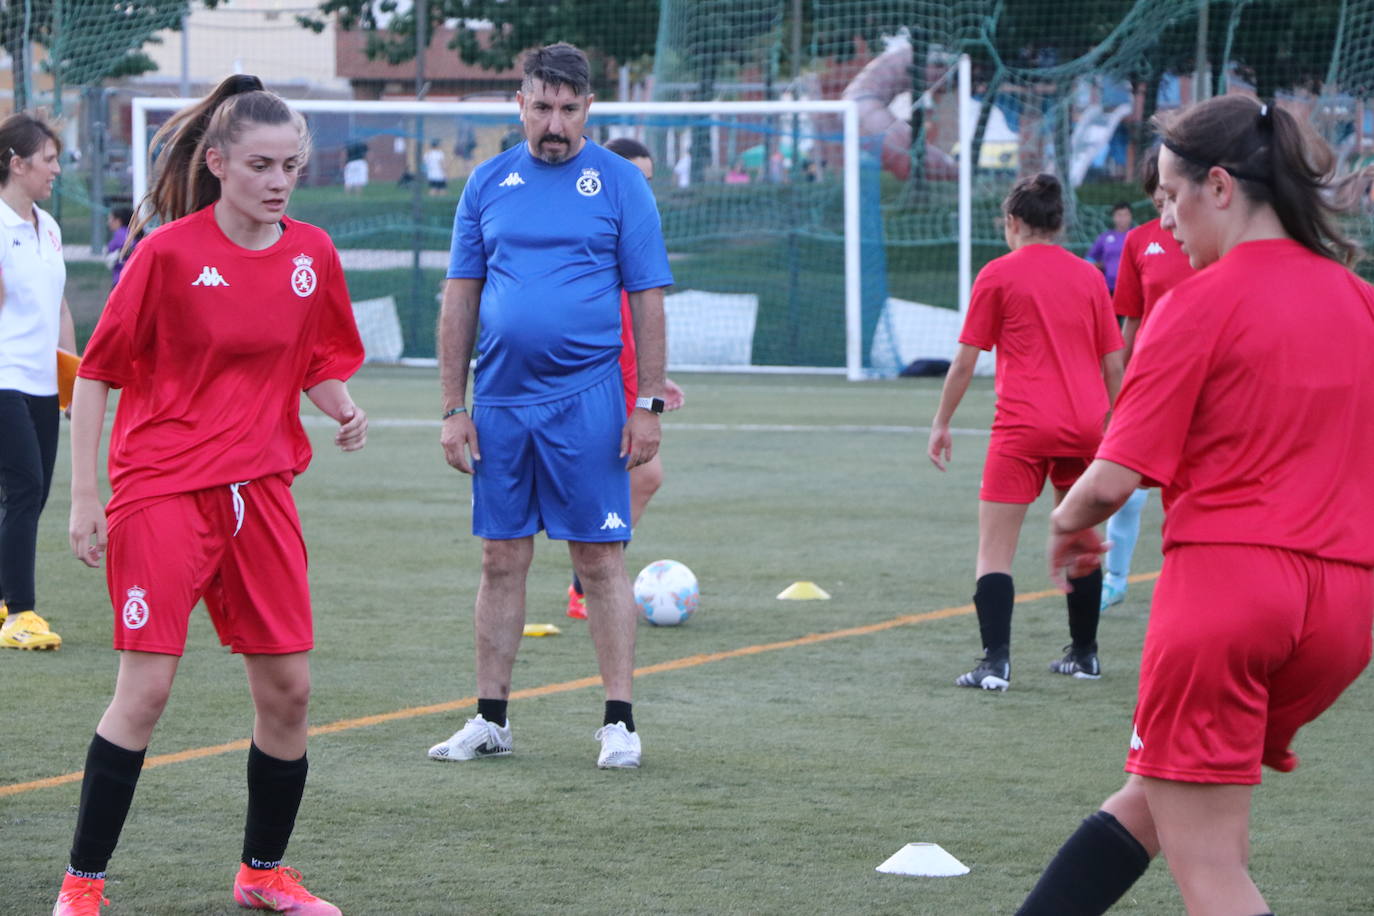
(1276, 160)
(1037, 201)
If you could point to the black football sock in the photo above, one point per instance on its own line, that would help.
(107, 791)
(494, 711)
(993, 598)
(619, 711)
(1094, 867)
(577, 584)
(275, 787)
(1085, 608)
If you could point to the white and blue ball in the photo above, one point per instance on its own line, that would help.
(666, 592)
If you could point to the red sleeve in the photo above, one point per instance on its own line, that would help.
(124, 332)
(1150, 424)
(1108, 333)
(983, 323)
(1129, 299)
(338, 350)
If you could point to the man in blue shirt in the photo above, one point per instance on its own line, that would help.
(546, 235)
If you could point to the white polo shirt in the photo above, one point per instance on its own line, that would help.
(35, 277)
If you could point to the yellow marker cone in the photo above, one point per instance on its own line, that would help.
(804, 591)
(541, 629)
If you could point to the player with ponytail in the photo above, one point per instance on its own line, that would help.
(1250, 402)
(223, 316)
(1048, 314)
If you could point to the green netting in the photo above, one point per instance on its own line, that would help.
(1067, 86)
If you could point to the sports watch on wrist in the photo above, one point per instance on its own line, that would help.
(653, 405)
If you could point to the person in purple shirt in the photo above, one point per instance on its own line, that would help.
(115, 255)
(1106, 251)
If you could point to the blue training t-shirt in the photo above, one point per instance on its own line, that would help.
(556, 244)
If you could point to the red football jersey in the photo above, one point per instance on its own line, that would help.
(1251, 401)
(629, 365)
(212, 345)
(1152, 263)
(1048, 314)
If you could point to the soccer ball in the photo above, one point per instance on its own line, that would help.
(666, 592)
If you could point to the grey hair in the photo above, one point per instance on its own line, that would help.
(557, 65)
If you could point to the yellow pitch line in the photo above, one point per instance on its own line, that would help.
(677, 664)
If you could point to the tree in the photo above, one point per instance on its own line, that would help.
(87, 41)
(610, 29)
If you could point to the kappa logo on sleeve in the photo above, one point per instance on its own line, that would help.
(210, 276)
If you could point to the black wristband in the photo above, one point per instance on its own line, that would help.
(453, 411)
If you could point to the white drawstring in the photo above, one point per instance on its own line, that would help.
(239, 506)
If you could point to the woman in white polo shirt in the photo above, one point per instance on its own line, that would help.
(34, 321)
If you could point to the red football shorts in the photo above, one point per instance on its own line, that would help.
(239, 547)
(1020, 478)
(1245, 645)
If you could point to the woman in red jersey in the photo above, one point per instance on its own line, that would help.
(1152, 263)
(1058, 369)
(223, 316)
(1250, 400)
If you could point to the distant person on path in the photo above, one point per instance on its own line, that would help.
(547, 441)
(356, 172)
(434, 169)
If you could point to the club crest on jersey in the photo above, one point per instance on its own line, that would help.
(589, 185)
(303, 277)
(135, 612)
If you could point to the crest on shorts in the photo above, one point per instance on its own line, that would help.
(303, 277)
(589, 185)
(135, 612)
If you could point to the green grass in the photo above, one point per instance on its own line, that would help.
(773, 783)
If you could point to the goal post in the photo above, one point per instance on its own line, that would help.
(766, 239)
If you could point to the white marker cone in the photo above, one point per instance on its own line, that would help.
(927, 860)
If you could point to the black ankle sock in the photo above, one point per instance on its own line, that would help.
(494, 711)
(107, 791)
(275, 787)
(1085, 607)
(1094, 867)
(993, 597)
(619, 711)
(577, 584)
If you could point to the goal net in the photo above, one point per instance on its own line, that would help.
(775, 267)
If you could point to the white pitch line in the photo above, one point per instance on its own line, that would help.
(409, 423)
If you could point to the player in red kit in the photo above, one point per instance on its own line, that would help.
(1048, 315)
(1152, 263)
(223, 316)
(1250, 401)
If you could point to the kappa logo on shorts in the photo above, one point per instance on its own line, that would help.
(303, 277)
(589, 185)
(1154, 248)
(135, 612)
(1136, 743)
(209, 276)
(613, 521)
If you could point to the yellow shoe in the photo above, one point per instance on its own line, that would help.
(27, 630)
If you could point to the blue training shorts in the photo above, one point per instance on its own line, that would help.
(554, 466)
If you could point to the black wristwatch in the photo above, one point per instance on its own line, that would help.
(653, 405)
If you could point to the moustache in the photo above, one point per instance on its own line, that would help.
(555, 138)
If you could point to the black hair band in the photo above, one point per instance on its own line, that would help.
(1200, 163)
